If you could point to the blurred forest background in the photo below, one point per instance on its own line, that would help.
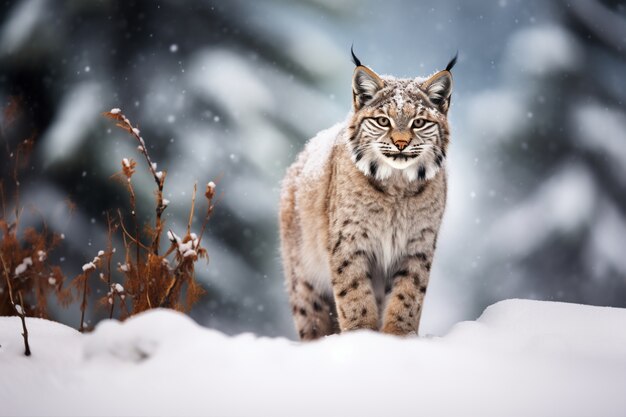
(230, 91)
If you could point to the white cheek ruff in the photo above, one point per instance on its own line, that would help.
(374, 167)
(400, 163)
(373, 164)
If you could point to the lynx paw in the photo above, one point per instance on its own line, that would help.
(394, 329)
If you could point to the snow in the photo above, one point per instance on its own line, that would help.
(89, 266)
(520, 358)
(23, 266)
(115, 111)
(318, 150)
(399, 99)
(186, 249)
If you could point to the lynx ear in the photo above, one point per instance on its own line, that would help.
(438, 88)
(365, 84)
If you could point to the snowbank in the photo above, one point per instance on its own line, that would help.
(520, 358)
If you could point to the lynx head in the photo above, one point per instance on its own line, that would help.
(399, 125)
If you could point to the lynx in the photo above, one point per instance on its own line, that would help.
(361, 207)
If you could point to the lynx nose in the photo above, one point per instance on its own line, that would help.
(401, 144)
(401, 139)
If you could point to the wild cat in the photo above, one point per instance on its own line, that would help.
(361, 208)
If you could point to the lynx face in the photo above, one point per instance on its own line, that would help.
(399, 126)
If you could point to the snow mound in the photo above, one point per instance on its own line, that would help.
(139, 337)
(550, 328)
(520, 358)
(318, 150)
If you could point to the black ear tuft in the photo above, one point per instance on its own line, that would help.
(452, 62)
(356, 60)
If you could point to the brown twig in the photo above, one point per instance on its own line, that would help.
(83, 305)
(109, 255)
(24, 329)
(193, 208)
(176, 282)
(20, 311)
(133, 213)
(208, 194)
(159, 176)
(178, 273)
(127, 234)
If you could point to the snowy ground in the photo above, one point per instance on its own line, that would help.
(520, 358)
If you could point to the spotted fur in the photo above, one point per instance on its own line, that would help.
(358, 233)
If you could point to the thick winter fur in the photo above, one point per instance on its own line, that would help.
(361, 208)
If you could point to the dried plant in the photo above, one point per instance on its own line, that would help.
(150, 279)
(25, 254)
(153, 279)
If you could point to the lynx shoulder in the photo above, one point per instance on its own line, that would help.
(361, 208)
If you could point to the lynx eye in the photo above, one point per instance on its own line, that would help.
(417, 123)
(383, 121)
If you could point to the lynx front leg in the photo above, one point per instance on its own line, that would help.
(352, 285)
(313, 312)
(404, 303)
